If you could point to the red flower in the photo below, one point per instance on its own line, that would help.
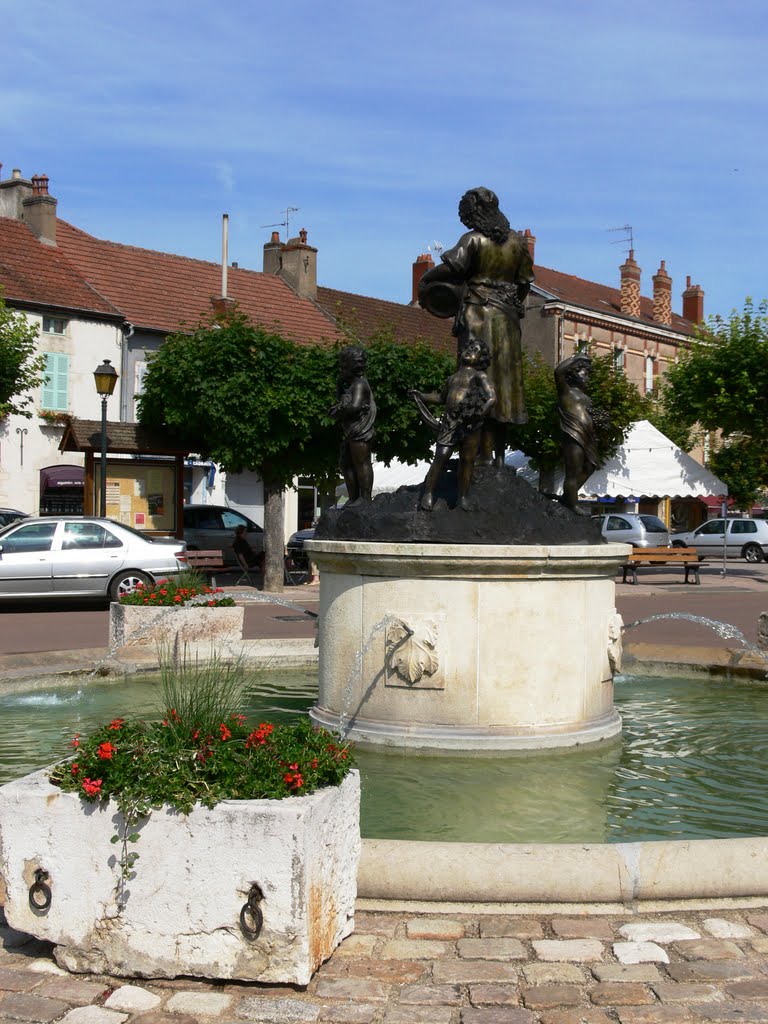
(225, 732)
(175, 715)
(195, 734)
(76, 740)
(211, 604)
(106, 751)
(92, 787)
(240, 719)
(177, 598)
(294, 780)
(75, 769)
(314, 762)
(115, 723)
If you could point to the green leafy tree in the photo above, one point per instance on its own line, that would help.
(21, 369)
(720, 384)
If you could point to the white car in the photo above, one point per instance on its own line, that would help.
(77, 556)
(640, 529)
(741, 538)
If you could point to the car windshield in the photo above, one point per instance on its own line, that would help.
(653, 524)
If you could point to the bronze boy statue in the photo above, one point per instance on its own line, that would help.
(355, 409)
(468, 397)
(577, 429)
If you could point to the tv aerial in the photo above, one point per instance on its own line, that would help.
(436, 248)
(628, 239)
(286, 222)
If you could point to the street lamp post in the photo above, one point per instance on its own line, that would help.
(106, 378)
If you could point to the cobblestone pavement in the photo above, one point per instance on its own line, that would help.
(447, 968)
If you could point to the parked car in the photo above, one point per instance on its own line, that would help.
(81, 556)
(212, 528)
(640, 529)
(743, 538)
(10, 515)
(295, 546)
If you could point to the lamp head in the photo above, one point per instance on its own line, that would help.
(106, 378)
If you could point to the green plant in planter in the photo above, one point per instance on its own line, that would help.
(189, 588)
(201, 750)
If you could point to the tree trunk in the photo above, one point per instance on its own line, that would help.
(274, 537)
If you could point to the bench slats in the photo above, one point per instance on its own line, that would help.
(688, 558)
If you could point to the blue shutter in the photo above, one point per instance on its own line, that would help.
(54, 395)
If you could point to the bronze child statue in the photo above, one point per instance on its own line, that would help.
(577, 427)
(355, 410)
(468, 397)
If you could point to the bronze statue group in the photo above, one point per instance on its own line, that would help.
(482, 283)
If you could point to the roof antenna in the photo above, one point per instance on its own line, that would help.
(284, 223)
(628, 239)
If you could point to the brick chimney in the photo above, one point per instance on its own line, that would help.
(530, 241)
(420, 266)
(13, 192)
(630, 286)
(693, 302)
(299, 266)
(273, 254)
(662, 296)
(39, 211)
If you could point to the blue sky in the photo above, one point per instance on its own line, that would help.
(153, 119)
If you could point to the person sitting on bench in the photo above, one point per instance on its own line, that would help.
(244, 551)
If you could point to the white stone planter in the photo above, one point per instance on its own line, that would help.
(194, 872)
(133, 625)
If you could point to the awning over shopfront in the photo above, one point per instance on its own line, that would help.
(54, 477)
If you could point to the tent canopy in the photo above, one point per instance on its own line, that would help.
(648, 463)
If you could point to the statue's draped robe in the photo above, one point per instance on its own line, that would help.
(497, 278)
(575, 409)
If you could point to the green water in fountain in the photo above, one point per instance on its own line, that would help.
(692, 763)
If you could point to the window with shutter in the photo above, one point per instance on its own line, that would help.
(55, 386)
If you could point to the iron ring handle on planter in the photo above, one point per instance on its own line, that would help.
(39, 888)
(252, 910)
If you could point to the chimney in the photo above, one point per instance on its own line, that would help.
(13, 192)
(662, 296)
(530, 241)
(420, 266)
(630, 286)
(39, 211)
(273, 254)
(693, 302)
(222, 306)
(299, 266)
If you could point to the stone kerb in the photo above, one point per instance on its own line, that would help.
(134, 625)
(182, 905)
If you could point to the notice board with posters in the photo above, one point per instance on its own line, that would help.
(140, 494)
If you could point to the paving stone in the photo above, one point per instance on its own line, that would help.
(759, 943)
(418, 1015)
(578, 950)
(434, 928)
(510, 928)
(621, 993)
(657, 931)
(364, 990)
(357, 945)
(493, 995)
(497, 1015)
(733, 1013)
(199, 1004)
(749, 990)
(465, 972)
(709, 949)
(759, 921)
(653, 1014)
(92, 1015)
(639, 953)
(412, 949)
(349, 1013)
(268, 1010)
(376, 924)
(132, 999)
(48, 967)
(548, 997)
(18, 981)
(646, 973)
(584, 1015)
(395, 972)
(161, 1017)
(582, 928)
(24, 1006)
(711, 970)
(433, 995)
(491, 949)
(687, 992)
(73, 990)
(554, 974)
(719, 928)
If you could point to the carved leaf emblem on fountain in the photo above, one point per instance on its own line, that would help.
(411, 650)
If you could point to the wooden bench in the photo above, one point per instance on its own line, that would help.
(686, 557)
(208, 562)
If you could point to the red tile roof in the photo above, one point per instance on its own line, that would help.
(159, 291)
(599, 297)
(365, 316)
(32, 273)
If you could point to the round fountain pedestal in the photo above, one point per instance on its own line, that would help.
(477, 648)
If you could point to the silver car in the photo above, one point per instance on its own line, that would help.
(741, 538)
(639, 529)
(73, 556)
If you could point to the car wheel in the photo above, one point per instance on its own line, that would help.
(126, 582)
(753, 553)
(678, 544)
